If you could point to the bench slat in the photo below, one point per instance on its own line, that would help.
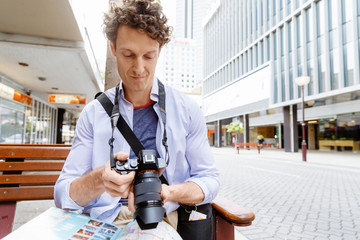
(26, 193)
(29, 179)
(233, 212)
(34, 152)
(39, 145)
(31, 166)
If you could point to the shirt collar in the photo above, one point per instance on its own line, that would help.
(154, 94)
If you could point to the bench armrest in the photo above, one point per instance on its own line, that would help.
(232, 212)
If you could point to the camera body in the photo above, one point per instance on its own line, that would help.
(147, 187)
(147, 161)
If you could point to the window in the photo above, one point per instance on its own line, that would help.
(320, 18)
(321, 72)
(289, 36)
(347, 9)
(309, 25)
(274, 8)
(261, 46)
(334, 69)
(274, 46)
(256, 56)
(289, 6)
(282, 41)
(298, 25)
(298, 31)
(261, 13)
(11, 127)
(291, 86)
(333, 15)
(283, 86)
(268, 48)
(251, 59)
(349, 64)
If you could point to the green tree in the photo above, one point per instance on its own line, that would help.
(235, 127)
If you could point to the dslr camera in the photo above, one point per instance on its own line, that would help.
(147, 187)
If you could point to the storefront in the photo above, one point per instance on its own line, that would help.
(25, 118)
(339, 132)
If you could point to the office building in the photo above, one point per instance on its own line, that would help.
(254, 51)
(189, 22)
(178, 66)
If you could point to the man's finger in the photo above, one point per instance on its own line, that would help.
(121, 156)
(131, 200)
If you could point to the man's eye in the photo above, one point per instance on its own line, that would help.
(127, 54)
(149, 56)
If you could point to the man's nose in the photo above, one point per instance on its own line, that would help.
(138, 65)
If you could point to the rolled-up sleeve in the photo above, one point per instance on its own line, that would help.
(77, 163)
(199, 155)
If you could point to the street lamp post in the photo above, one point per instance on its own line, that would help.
(302, 82)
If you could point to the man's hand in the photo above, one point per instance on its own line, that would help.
(131, 200)
(188, 193)
(165, 193)
(115, 184)
(85, 189)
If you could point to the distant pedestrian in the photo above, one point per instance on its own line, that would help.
(260, 139)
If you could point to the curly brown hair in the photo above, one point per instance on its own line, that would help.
(145, 15)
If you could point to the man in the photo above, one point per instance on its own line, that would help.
(137, 30)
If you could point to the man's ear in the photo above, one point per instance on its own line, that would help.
(112, 48)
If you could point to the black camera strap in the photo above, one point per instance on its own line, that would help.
(117, 120)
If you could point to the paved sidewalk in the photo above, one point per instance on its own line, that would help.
(317, 199)
(27, 210)
(291, 199)
(345, 159)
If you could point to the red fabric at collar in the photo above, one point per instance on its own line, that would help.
(146, 105)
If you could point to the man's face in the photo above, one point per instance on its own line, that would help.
(136, 55)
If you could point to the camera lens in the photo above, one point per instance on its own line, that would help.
(148, 202)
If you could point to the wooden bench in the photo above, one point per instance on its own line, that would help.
(29, 172)
(335, 144)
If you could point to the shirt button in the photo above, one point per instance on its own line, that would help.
(129, 108)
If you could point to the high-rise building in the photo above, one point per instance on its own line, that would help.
(254, 51)
(178, 64)
(184, 19)
(189, 20)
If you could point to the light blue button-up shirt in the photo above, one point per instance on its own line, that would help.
(191, 158)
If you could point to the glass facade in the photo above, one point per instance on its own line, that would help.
(320, 43)
(12, 122)
(340, 127)
(315, 38)
(20, 123)
(40, 123)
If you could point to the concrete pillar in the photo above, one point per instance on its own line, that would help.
(60, 119)
(217, 134)
(287, 132)
(246, 128)
(290, 129)
(311, 137)
(295, 129)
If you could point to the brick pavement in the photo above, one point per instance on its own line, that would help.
(318, 199)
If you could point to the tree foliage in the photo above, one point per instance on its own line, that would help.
(235, 127)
